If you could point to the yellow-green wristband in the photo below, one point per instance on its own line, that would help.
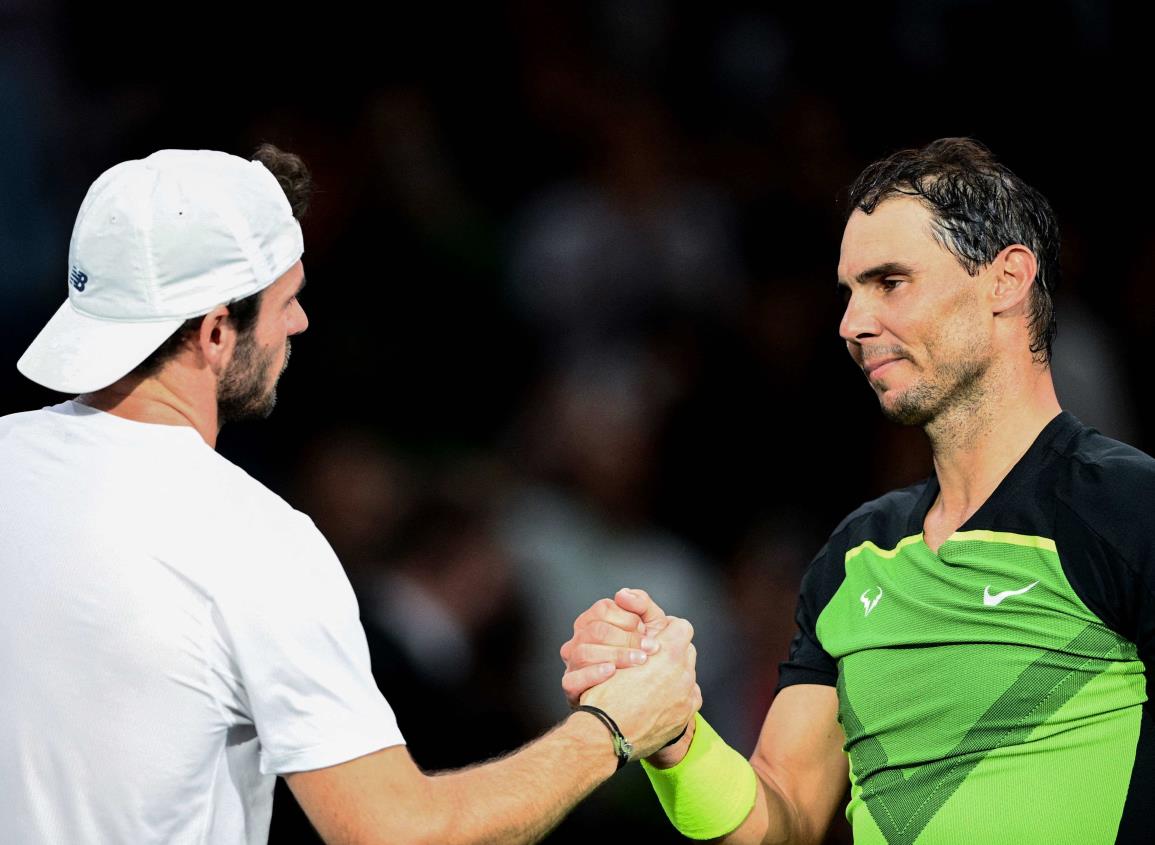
(710, 791)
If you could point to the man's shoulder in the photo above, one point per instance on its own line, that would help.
(241, 485)
(251, 507)
(1099, 461)
(1108, 485)
(884, 520)
(259, 538)
(34, 417)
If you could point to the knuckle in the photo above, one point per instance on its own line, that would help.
(624, 619)
(658, 625)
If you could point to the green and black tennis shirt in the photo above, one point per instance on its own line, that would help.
(996, 691)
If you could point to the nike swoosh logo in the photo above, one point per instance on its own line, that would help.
(991, 601)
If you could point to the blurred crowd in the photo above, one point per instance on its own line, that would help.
(572, 302)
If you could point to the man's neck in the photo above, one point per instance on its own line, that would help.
(157, 401)
(975, 447)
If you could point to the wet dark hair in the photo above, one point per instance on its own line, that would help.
(294, 178)
(979, 207)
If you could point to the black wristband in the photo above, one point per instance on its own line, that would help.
(681, 734)
(622, 747)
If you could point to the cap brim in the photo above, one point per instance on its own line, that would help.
(75, 353)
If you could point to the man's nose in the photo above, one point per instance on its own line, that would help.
(859, 321)
(299, 320)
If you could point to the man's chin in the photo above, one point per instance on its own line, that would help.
(264, 409)
(253, 409)
(903, 408)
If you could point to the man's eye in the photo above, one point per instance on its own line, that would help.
(890, 284)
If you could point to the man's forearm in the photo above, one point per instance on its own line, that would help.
(520, 798)
(711, 792)
(384, 797)
(772, 821)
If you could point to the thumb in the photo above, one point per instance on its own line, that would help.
(678, 633)
(639, 602)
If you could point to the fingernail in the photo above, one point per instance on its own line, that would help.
(638, 657)
(605, 669)
(650, 645)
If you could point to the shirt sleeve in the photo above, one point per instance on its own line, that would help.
(291, 627)
(1107, 546)
(808, 662)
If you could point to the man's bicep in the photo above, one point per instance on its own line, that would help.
(381, 797)
(800, 755)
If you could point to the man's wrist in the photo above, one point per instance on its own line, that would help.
(672, 755)
(623, 748)
(596, 743)
(711, 791)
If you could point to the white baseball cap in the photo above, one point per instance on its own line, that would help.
(156, 241)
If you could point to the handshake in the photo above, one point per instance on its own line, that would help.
(631, 661)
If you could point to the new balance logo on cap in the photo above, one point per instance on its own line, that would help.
(78, 278)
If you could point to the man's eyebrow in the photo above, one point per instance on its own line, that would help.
(889, 268)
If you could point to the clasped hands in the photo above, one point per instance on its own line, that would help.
(631, 660)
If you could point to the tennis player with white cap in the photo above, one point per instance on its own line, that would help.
(173, 635)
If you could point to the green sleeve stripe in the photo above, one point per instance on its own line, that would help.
(1044, 543)
(883, 553)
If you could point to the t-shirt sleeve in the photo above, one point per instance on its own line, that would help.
(1107, 547)
(808, 662)
(291, 628)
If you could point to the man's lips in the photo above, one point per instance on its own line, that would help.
(879, 366)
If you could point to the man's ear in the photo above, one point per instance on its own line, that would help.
(1014, 270)
(217, 339)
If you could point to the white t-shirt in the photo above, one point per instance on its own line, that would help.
(172, 636)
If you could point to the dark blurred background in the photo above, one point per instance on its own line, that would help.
(571, 289)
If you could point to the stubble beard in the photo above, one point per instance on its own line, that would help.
(244, 392)
(957, 387)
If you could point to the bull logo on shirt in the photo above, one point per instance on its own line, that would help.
(870, 598)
